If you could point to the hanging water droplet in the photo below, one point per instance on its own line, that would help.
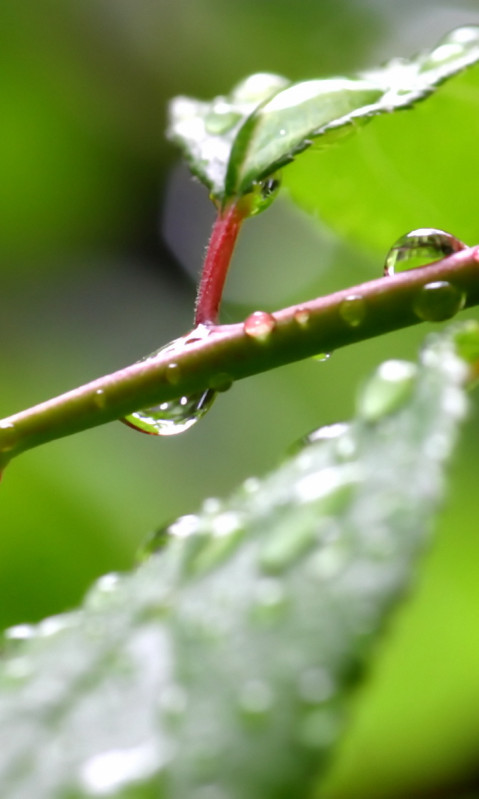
(387, 390)
(420, 247)
(259, 325)
(262, 194)
(322, 356)
(221, 119)
(173, 374)
(438, 301)
(175, 416)
(353, 310)
(99, 398)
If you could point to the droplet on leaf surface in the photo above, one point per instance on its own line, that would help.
(420, 247)
(387, 390)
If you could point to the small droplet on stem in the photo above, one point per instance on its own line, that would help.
(259, 325)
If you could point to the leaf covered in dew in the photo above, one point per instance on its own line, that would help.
(235, 141)
(222, 666)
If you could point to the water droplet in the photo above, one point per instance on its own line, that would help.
(14, 637)
(259, 325)
(438, 301)
(455, 45)
(221, 382)
(326, 433)
(53, 625)
(155, 542)
(330, 488)
(387, 390)
(262, 194)
(302, 317)
(173, 374)
(255, 700)
(221, 119)
(99, 398)
(175, 416)
(353, 310)
(258, 87)
(319, 729)
(420, 247)
(286, 545)
(322, 356)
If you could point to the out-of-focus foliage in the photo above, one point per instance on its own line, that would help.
(224, 664)
(88, 284)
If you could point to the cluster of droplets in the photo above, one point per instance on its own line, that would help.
(175, 416)
(434, 302)
(438, 300)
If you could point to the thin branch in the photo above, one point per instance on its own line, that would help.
(229, 353)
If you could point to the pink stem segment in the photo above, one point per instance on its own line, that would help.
(218, 258)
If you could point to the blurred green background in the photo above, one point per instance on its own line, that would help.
(101, 238)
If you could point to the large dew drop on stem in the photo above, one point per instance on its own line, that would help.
(174, 416)
(420, 247)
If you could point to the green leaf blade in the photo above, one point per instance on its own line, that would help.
(236, 141)
(227, 659)
(206, 131)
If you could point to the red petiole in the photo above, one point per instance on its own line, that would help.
(218, 258)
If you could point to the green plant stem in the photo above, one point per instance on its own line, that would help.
(218, 258)
(229, 354)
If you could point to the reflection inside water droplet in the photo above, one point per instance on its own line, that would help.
(174, 416)
(420, 247)
(438, 301)
(263, 193)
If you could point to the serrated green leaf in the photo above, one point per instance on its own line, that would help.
(206, 131)
(221, 667)
(233, 142)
